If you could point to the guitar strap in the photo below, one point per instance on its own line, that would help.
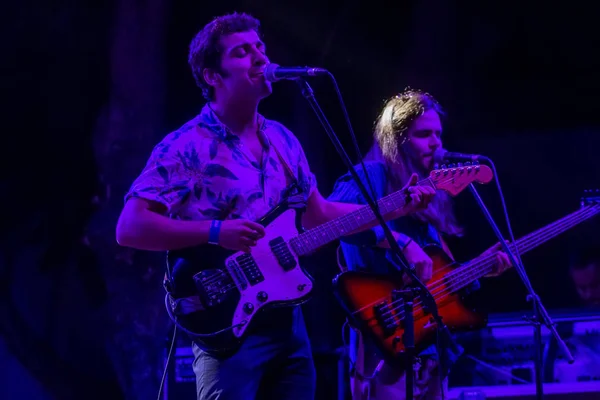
(287, 169)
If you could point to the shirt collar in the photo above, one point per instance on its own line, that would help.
(208, 119)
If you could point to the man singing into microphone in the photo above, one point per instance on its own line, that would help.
(233, 165)
(407, 134)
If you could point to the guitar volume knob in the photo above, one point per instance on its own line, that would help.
(262, 296)
(248, 308)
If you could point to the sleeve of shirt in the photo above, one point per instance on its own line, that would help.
(170, 174)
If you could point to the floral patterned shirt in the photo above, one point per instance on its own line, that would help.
(202, 171)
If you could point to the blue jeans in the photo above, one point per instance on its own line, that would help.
(274, 362)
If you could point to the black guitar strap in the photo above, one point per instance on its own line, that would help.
(293, 191)
(288, 170)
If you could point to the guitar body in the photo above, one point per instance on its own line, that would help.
(214, 294)
(373, 309)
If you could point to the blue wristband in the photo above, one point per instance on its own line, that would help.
(213, 232)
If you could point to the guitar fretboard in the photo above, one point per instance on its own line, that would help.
(312, 239)
(482, 266)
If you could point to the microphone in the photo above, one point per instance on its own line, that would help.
(274, 72)
(444, 156)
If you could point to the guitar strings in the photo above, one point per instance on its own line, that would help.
(584, 213)
(315, 231)
(526, 241)
(467, 274)
(477, 262)
(302, 243)
(459, 276)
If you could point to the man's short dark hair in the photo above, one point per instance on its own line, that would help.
(205, 50)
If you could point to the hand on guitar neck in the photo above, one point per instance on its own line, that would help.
(419, 197)
(415, 256)
(423, 264)
(502, 263)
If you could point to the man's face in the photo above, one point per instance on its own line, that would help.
(587, 283)
(424, 138)
(243, 61)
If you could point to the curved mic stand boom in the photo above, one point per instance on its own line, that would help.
(418, 289)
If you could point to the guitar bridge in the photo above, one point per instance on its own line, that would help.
(213, 286)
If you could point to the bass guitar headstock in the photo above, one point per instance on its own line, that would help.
(454, 179)
(590, 197)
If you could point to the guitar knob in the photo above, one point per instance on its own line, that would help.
(248, 308)
(301, 287)
(262, 296)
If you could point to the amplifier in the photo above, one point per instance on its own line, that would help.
(500, 357)
(551, 391)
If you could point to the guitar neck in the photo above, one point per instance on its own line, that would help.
(481, 266)
(312, 239)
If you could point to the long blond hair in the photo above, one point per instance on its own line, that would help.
(389, 147)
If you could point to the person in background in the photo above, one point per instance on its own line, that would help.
(584, 269)
(407, 133)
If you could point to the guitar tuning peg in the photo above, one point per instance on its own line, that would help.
(468, 163)
(460, 165)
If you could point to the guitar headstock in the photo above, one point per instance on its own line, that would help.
(454, 179)
(590, 197)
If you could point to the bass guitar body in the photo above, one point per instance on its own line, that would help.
(370, 301)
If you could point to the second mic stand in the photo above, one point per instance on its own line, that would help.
(425, 296)
(540, 315)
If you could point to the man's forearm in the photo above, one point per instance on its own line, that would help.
(333, 210)
(150, 231)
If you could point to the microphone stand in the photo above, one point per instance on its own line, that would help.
(540, 315)
(419, 289)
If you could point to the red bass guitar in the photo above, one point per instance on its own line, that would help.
(368, 299)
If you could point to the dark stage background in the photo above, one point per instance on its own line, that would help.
(90, 87)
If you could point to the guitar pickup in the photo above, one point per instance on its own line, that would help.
(282, 252)
(250, 269)
(386, 318)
